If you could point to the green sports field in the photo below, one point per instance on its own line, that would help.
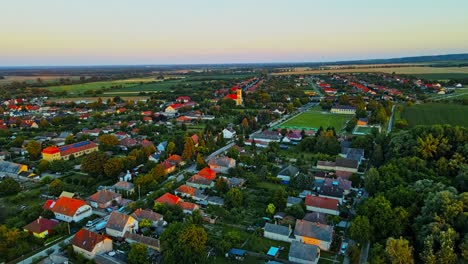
(315, 118)
(436, 113)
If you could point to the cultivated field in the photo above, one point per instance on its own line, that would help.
(423, 72)
(33, 79)
(315, 118)
(80, 88)
(436, 113)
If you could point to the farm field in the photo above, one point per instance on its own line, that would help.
(411, 70)
(315, 118)
(79, 88)
(32, 79)
(436, 113)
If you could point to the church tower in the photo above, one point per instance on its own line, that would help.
(239, 96)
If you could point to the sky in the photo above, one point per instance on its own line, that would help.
(109, 32)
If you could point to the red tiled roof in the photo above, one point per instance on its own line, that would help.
(87, 240)
(40, 225)
(146, 214)
(188, 206)
(51, 150)
(175, 158)
(231, 96)
(48, 204)
(186, 190)
(103, 196)
(167, 165)
(321, 202)
(67, 206)
(207, 173)
(76, 147)
(168, 198)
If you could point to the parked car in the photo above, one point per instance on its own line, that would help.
(344, 247)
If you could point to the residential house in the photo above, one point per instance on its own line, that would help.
(168, 199)
(341, 164)
(322, 205)
(11, 169)
(277, 232)
(267, 136)
(65, 152)
(287, 173)
(118, 224)
(176, 160)
(168, 166)
(333, 192)
(104, 199)
(353, 154)
(197, 181)
(171, 199)
(229, 133)
(207, 173)
(340, 183)
(316, 217)
(155, 218)
(124, 187)
(314, 234)
(185, 191)
(90, 244)
(343, 109)
(150, 242)
(41, 227)
(222, 164)
(303, 253)
(70, 209)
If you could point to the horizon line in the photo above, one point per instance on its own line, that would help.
(224, 63)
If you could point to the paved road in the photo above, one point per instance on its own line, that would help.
(390, 122)
(364, 253)
(55, 247)
(219, 151)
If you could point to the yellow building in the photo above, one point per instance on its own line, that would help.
(41, 227)
(90, 244)
(237, 97)
(65, 152)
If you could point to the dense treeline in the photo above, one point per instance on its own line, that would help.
(418, 195)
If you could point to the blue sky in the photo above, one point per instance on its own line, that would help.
(89, 32)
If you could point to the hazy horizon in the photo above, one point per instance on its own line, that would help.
(143, 32)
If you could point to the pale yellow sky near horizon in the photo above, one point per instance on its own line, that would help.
(53, 32)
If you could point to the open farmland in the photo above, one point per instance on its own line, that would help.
(436, 113)
(313, 119)
(428, 72)
(80, 88)
(33, 79)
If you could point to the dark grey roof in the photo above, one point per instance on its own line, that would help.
(294, 200)
(277, 229)
(332, 191)
(313, 230)
(316, 217)
(9, 167)
(303, 251)
(346, 163)
(215, 200)
(353, 153)
(289, 171)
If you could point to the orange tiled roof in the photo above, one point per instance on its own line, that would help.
(87, 240)
(67, 206)
(168, 198)
(186, 190)
(207, 173)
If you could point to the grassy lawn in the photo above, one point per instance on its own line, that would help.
(436, 113)
(269, 186)
(315, 118)
(79, 88)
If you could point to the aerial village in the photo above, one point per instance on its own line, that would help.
(267, 169)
